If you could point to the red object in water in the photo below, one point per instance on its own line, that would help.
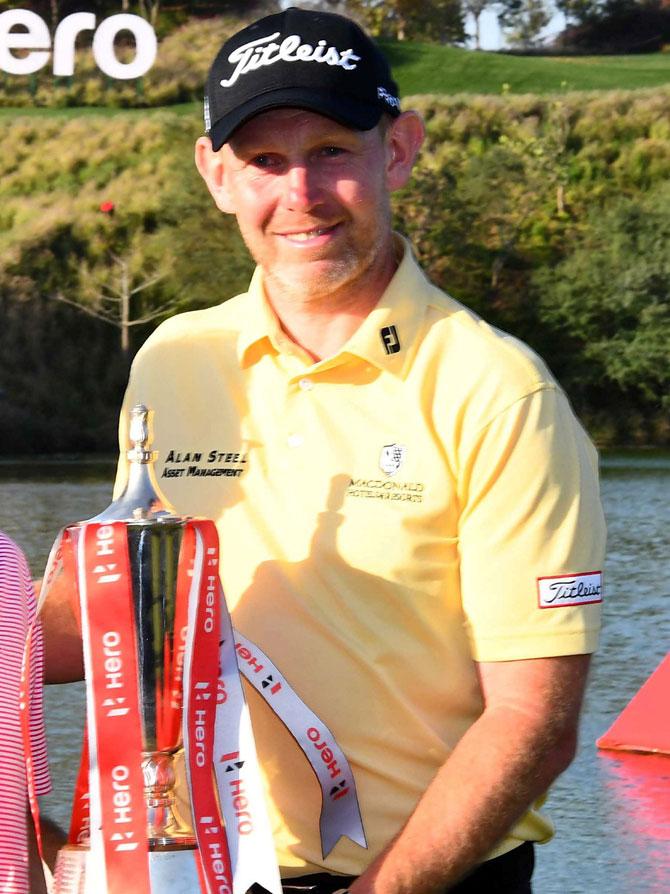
(636, 809)
(644, 724)
(107, 207)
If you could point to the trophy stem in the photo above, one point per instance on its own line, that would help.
(165, 827)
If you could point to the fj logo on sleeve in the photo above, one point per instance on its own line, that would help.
(390, 340)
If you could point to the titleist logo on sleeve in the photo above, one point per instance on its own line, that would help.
(264, 51)
(570, 589)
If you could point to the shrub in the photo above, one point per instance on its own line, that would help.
(531, 210)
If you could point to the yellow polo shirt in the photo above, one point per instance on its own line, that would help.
(387, 517)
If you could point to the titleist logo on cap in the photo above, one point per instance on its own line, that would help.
(254, 72)
(259, 53)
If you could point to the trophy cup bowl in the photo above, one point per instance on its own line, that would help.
(154, 547)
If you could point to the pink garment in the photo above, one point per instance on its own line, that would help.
(17, 610)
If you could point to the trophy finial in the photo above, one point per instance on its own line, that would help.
(140, 435)
(141, 499)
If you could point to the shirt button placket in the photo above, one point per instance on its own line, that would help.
(295, 439)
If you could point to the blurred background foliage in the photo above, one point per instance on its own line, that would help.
(549, 214)
(419, 65)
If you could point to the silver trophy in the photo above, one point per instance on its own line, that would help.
(155, 534)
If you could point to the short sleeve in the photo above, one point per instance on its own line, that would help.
(531, 525)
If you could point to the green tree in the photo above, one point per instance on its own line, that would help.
(523, 20)
(440, 21)
(60, 374)
(482, 215)
(616, 25)
(608, 302)
(149, 10)
(475, 8)
(578, 11)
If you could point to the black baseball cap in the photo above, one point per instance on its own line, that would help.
(303, 59)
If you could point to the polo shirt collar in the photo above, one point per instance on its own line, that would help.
(386, 337)
(260, 329)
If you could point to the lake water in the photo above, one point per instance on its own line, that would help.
(612, 811)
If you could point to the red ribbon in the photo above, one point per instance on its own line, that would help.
(80, 821)
(115, 769)
(202, 683)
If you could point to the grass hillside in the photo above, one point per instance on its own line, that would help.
(183, 58)
(423, 68)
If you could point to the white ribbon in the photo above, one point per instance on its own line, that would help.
(238, 778)
(340, 813)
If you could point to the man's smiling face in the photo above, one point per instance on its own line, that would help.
(311, 200)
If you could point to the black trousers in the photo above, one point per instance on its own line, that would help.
(509, 874)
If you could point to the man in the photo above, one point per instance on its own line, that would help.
(20, 865)
(407, 508)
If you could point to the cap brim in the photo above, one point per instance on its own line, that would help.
(345, 110)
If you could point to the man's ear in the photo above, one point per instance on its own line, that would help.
(404, 138)
(212, 168)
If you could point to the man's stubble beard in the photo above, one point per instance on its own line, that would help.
(351, 269)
